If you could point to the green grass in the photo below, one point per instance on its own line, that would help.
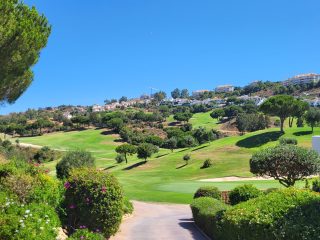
(200, 119)
(165, 178)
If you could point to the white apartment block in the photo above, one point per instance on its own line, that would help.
(224, 88)
(302, 79)
(199, 92)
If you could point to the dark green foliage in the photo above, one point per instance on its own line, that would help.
(287, 214)
(207, 163)
(316, 185)
(125, 150)
(300, 122)
(85, 234)
(45, 154)
(312, 117)
(292, 141)
(202, 135)
(120, 158)
(170, 143)
(24, 32)
(93, 199)
(286, 163)
(186, 158)
(208, 191)
(243, 193)
(74, 159)
(146, 150)
(206, 213)
(232, 111)
(176, 93)
(182, 116)
(154, 139)
(251, 122)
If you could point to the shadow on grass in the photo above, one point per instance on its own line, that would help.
(107, 168)
(259, 140)
(302, 133)
(107, 132)
(196, 149)
(134, 165)
(162, 155)
(181, 166)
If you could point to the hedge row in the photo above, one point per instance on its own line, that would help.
(284, 214)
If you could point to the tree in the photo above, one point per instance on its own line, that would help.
(286, 163)
(203, 135)
(299, 108)
(171, 143)
(217, 114)
(186, 158)
(24, 32)
(175, 93)
(184, 93)
(145, 150)
(281, 106)
(126, 149)
(123, 99)
(116, 124)
(182, 116)
(232, 111)
(312, 117)
(159, 96)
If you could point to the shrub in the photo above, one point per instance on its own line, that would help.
(33, 221)
(93, 199)
(74, 159)
(44, 154)
(207, 163)
(206, 212)
(316, 185)
(120, 158)
(292, 141)
(127, 206)
(208, 191)
(243, 193)
(285, 214)
(82, 234)
(277, 123)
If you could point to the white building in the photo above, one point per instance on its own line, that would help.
(67, 115)
(302, 79)
(199, 92)
(224, 88)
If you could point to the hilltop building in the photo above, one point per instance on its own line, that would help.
(302, 79)
(199, 92)
(224, 89)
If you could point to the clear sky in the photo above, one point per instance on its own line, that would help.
(102, 49)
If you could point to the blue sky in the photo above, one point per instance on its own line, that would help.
(108, 48)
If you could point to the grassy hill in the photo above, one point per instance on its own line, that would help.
(165, 177)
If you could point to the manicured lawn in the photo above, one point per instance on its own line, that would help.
(165, 177)
(200, 119)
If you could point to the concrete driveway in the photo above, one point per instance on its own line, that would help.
(153, 221)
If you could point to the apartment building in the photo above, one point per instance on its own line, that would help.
(224, 88)
(302, 79)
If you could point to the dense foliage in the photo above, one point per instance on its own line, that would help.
(93, 199)
(74, 159)
(208, 191)
(286, 163)
(243, 193)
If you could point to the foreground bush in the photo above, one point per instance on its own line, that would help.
(93, 199)
(31, 221)
(285, 214)
(206, 213)
(84, 234)
(243, 193)
(208, 191)
(74, 159)
(292, 141)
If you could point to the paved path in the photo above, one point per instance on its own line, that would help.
(153, 221)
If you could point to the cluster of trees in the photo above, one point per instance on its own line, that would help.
(252, 122)
(177, 93)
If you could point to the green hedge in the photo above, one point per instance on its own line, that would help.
(206, 212)
(208, 191)
(243, 193)
(288, 214)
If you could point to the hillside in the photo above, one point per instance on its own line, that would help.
(165, 177)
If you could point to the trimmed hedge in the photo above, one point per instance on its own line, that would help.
(288, 214)
(206, 212)
(243, 193)
(208, 191)
(94, 200)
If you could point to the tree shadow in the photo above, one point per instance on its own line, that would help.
(198, 148)
(302, 133)
(107, 168)
(107, 132)
(259, 139)
(182, 166)
(134, 165)
(162, 155)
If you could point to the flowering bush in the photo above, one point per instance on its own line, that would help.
(94, 200)
(84, 234)
(36, 221)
